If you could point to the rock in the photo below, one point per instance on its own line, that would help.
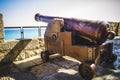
(43, 48)
(116, 51)
(29, 53)
(21, 56)
(32, 53)
(38, 51)
(117, 63)
(1, 56)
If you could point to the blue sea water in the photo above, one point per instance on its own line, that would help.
(15, 33)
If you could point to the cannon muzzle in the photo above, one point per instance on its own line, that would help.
(37, 17)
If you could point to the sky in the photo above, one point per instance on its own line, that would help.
(21, 12)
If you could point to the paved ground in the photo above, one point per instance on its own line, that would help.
(59, 68)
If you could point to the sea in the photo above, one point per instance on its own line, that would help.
(28, 33)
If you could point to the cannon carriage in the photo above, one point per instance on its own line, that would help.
(80, 39)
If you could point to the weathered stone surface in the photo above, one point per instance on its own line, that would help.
(33, 44)
(116, 51)
(20, 70)
(2, 56)
(38, 51)
(41, 41)
(63, 76)
(7, 45)
(19, 49)
(8, 68)
(60, 68)
(18, 76)
(1, 29)
(67, 61)
(45, 69)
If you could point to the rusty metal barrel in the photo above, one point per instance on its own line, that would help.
(95, 31)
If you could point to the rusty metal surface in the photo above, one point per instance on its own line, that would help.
(96, 31)
(52, 38)
(61, 42)
(81, 53)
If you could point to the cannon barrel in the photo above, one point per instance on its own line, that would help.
(95, 31)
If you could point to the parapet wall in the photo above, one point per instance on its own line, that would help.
(16, 50)
(1, 28)
(20, 49)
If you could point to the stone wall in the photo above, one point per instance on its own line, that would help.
(16, 50)
(1, 29)
(115, 26)
(20, 49)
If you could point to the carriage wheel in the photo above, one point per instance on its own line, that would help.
(86, 71)
(45, 56)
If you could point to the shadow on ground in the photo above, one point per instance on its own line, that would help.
(60, 68)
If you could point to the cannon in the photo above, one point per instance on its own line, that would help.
(80, 39)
